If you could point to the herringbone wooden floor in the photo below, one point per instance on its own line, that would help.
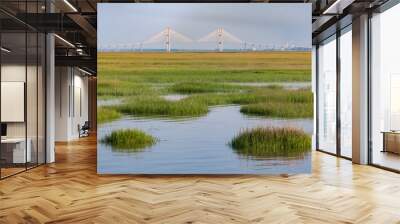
(70, 191)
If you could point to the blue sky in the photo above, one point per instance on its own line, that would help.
(258, 23)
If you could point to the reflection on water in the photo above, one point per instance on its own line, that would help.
(175, 97)
(110, 102)
(197, 146)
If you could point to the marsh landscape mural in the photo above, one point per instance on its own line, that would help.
(204, 89)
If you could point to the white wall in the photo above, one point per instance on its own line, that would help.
(70, 84)
(62, 82)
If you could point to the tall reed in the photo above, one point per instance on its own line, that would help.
(271, 142)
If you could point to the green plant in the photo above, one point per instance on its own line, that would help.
(131, 140)
(204, 87)
(107, 114)
(280, 110)
(155, 106)
(271, 142)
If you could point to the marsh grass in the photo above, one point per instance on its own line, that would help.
(129, 140)
(156, 106)
(271, 142)
(279, 109)
(208, 78)
(259, 102)
(139, 68)
(108, 89)
(266, 102)
(205, 87)
(172, 75)
(255, 95)
(107, 114)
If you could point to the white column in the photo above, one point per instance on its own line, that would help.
(314, 90)
(50, 98)
(360, 90)
(63, 103)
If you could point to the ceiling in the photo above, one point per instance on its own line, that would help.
(75, 21)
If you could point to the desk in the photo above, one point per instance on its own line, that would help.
(15, 148)
(391, 141)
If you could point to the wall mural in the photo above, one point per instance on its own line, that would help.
(204, 89)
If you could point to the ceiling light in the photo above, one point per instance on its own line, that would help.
(5, 50)
(65, 41)
(338, 6)
(70, 5)
(84, 71)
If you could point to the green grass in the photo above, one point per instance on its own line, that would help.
(130, 140)
(108, 89)
(167, 75)
(269, 102)
(127, 74)
(208, 78)
(279, 109)
(271, 142)
(204, 87)
(107, 114)
(155, 106)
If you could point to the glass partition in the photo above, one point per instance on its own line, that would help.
(327, 95)
(31, 97)
(14, 153)
(41, 97)
(22, 93)
(346, 92)
(385, 89)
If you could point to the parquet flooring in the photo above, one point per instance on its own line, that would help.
(70, 191)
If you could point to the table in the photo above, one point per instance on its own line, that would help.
(391, 141)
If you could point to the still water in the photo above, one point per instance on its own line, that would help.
(197, 146)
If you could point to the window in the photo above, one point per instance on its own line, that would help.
(346, 92)
(385, 89)
(327, 95)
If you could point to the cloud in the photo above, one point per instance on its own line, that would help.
(253, 22)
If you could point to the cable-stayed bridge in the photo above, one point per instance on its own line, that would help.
(220, 36)
(166, 36)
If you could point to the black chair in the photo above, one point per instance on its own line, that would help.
(84, 130)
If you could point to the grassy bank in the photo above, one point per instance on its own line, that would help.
(156, 106)
(274, 102)
(279, 109)
(108, 89)
(266, 102)
(208, 78)
(122, 74)
(271, 142)
(107, 114)
(205, 87)
(131, 140)
(213, 61)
